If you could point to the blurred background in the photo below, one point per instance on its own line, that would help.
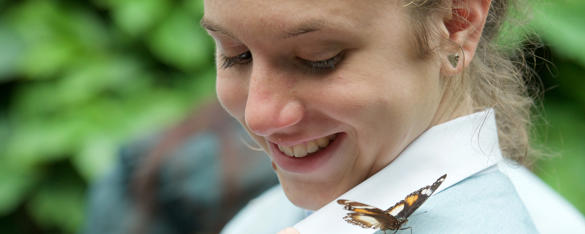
(81, 81)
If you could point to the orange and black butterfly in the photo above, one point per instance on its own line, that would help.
(367, 216)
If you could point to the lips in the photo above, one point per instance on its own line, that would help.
(303, 157)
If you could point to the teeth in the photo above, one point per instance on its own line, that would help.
(286, 150)
(322, 142)
(300, 150)
(303, 149)
(312, 147)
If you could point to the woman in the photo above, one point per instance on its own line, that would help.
(337, 91)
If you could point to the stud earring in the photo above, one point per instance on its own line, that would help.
(453, 59)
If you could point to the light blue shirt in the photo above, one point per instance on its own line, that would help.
(484, 203)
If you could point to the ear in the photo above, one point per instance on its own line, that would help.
(463, 27)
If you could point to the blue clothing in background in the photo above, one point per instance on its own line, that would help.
(199, 186)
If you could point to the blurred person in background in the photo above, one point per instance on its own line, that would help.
(191, 178)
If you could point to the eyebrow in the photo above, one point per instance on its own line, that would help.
(303, 28)
(214, 27)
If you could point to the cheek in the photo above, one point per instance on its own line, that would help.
(232, 95)
(388, 105)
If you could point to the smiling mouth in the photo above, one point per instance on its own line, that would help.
(307, 148)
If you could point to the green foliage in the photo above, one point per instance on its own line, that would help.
(564, 136)
(14, 184)
(180, 42)
(79, 78)
(59, 204)
(562, 25)
(11, 48)
(137, 17)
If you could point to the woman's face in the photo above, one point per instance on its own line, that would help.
(332, 90)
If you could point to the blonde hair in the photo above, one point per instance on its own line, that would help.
(497, 77)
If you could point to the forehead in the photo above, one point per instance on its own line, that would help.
(250, 15)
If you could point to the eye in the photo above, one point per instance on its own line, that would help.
(323, 65)
(240, 59)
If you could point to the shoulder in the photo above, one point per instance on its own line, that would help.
(550, 212)
(269, 213)
(485, 202)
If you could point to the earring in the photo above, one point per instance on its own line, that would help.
(453, 59)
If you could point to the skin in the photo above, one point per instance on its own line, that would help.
(380, 96)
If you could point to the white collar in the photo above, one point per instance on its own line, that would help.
(459, 148)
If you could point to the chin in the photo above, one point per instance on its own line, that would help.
(309, 201)
(310, 196)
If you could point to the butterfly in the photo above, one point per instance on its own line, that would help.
(367, 216)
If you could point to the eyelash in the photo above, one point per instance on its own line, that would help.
(313, 66)
(240, 59)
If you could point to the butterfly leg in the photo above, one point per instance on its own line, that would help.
(410, 228)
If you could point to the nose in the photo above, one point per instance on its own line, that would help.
(271, 105)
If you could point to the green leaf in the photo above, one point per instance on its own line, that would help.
(11, 48)
(195, 7)
(55, 36)
(516, 27)
(59, 205)
(39, 141)
(14, 185)
(95, 157)
(136, 17)
(97, 77)
(562, 25)
(180, 41)
(564, 136)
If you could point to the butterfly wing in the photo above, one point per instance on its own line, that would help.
(376, 221)
(403, 209)
(359, 207)
(367, 216)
